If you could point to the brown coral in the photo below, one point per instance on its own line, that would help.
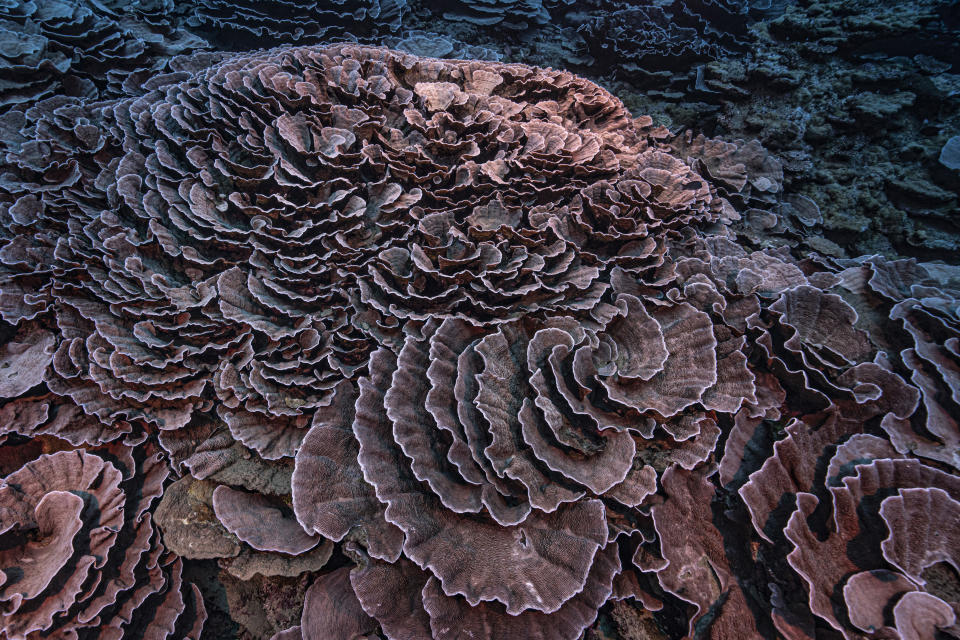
(257, 267)
(485, 331)
(80, 551)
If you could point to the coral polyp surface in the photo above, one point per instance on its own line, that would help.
(474, 336)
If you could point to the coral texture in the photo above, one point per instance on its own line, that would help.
(477, 330)
(84, 48)
(79, 550)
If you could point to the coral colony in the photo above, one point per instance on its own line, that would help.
(305, 339)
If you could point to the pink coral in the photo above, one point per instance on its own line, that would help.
(480, 330)
(80, 551)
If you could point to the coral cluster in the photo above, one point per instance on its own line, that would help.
(262, 23)
(636, 38)
(80, 552)
(84, 48)
(476, 330)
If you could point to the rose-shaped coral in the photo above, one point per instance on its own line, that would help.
(483, 330)
(532, 443)
(252, 260)
(493, 468)
(79, 549)
(836, 494)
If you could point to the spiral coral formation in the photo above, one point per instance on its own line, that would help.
(80, 553)
(479, 326)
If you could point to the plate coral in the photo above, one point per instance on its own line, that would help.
(341, 341)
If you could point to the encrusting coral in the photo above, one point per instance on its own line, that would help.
(480, 330)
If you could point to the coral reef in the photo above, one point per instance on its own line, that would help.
(250, 24)
(79, 549)
(857, 100)
(393, 346)
(84, 48)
